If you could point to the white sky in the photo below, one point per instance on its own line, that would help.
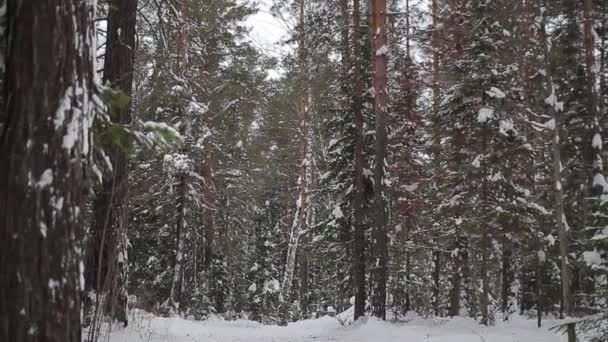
(266, 30)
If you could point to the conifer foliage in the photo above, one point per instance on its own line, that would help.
(441, 157)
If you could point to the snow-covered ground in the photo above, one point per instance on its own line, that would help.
(147, 328)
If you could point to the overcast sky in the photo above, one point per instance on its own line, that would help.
(267, 31)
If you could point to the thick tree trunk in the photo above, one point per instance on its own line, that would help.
(107, 254)
(49, 101)
(380, 236)
(359, 230)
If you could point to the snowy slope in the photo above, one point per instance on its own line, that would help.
(145, 327)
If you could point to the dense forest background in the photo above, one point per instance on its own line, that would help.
(440, 157)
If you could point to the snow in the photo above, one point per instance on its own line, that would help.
(43, 229)
(485, 114)
(411, 187)
(599, 180)
(477, 162)
(542, 256)
(593, 258)
(553, 102)
(382, 51)
(505, 126)
(597, 141)
(46, 179)
(337, 212)
(549, 124)
(146, 327)
(497, 93)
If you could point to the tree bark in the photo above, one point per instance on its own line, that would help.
(303, 206)
(49, 101)
(592, 109)
(560, 217)
(457, 276)
(378, 30)
(436, 281)
(181, 224)
(359, 230)
(109, 240)
(209, 208)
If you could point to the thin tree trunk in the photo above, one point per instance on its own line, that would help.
(306, 135)
(435, 49)
(380, 237)
(47, 110)
(457, 276)
(436, 281)
(539, 291)
(560, 217)
(181, 224)
(596, 137)
(359, 230)
(303, 295)
(209, 208)
(507, 278)
(109, 205)
(485, 239)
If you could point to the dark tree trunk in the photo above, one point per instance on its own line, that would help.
(303, 295)
(436, 281)
(359, 230)
(44, 157)
(457, 277)
(507, 278)
(378, 29)
(107, 250)
(209, 208)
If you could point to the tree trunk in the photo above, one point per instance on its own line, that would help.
(302, 214)
(457, 275)
(484, 300)
(380, 237)
(539, 290)
(48, 107)
(507, 278)
(436, 281)
(596, 136)
(359, 230)
(560, 217)
(181, 224)
(303, 295)
(107, 255)
(209, 208)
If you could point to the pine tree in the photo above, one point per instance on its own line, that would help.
(45, 165)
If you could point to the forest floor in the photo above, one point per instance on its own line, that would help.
(144, 327)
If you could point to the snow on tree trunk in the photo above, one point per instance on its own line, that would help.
(107, 250)
(378, 29)
(599, 183)
(553, 108)
(359, 230)
(50, 97)
(303, 203)
(181, 227)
